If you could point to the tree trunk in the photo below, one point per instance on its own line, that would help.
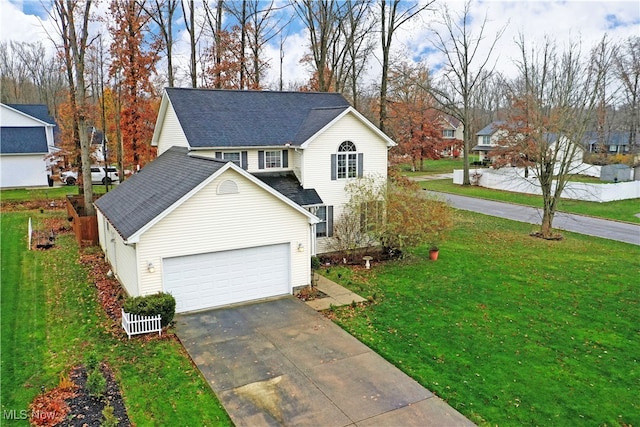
(467, 148)
(546, 229)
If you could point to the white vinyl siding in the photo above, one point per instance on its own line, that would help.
(23, 170)
(316, 160)
(171, 133)
(121, 257)
(211, 222)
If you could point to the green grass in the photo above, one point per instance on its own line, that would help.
(431, 167)
(45, 193)
(509, 329)
(620, 210)
(50, 318)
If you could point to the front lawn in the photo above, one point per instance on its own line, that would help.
(50, 319)
(431, 167)
(510, 329)
(620, 210)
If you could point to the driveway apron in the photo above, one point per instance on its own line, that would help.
(279, 362)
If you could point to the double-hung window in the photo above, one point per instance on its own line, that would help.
(233, 157)
(324, 228)
(448, 133)
(321, 227)
(273, 159)
(237, 157)
(486, 139)
(347, 160)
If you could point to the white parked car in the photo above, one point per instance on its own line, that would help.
(98, 175)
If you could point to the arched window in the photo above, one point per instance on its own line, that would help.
(347, 161)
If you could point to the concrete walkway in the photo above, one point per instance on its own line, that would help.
(280, 362)
(337, 295)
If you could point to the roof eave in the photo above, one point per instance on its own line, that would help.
(164, 105)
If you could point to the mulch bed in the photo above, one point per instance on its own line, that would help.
(72, 405)
(86, 410)
(23, 205)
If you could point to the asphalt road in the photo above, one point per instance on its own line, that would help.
(613, 230)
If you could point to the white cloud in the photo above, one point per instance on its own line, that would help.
(563, 21)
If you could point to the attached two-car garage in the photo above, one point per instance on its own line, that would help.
(228, 277)
(215, 237)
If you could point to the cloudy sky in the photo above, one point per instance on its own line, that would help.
(563, 21)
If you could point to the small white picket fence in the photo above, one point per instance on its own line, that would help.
(135, 324)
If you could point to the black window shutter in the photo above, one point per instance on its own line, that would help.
(285, 158)
(244, 160)
(334, 160)
(360, 164)
(218, 154)
(330, 221)
(260, 159)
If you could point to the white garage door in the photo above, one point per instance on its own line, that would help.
(220, 278)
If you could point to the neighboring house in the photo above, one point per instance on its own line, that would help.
(488, 139)
(613, 142)
(245, 189)
(453, 131)
(26, 138)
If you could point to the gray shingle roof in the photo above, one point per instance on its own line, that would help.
(23, 140)
(610, 138)
(161, 183)
(490, 128)
(232, 118)
(39, 111)
(287, 184)
(483, 147)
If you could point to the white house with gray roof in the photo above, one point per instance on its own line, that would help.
(26, 138)
(245, 189)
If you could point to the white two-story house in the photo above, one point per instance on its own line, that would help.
(488, 139)
(26, 140)
(245, 189)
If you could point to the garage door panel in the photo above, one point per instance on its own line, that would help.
(221, 278)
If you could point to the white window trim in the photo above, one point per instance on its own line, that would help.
(348, 156)
(266, 162)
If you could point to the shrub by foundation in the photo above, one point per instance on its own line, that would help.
(152, 305)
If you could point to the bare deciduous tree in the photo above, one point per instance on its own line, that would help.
(72, 20)
(627, 66)
(323, 20)
(392, 17)
(189, 14)
(161, 12)
(465, 69)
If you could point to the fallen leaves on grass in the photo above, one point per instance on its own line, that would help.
(51, 408)
(110, 293)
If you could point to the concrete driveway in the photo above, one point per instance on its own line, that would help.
(279, 362)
